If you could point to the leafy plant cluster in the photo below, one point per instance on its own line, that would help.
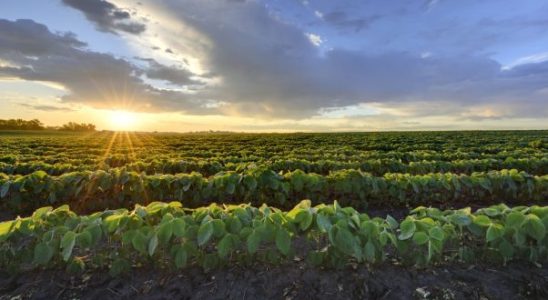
(158, 156)
(119, 149)
(166, 235)
(119, 188)
(209, 167)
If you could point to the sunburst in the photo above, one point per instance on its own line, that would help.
(123, 120)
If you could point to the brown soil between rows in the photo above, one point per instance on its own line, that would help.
(518, 280)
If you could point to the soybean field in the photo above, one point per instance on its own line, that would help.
(127, 203)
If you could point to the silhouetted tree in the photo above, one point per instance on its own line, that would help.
(20, 124)
(72, 126)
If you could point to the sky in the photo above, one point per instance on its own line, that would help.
(277, 65)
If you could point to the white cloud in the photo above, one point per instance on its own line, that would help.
(426, 54)
(315, 39)
(318, 14)
(530, 59)
(357, 110)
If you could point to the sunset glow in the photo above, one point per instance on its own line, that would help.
(279, 66)
(122, 120)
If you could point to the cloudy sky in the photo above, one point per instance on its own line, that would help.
(278, 65)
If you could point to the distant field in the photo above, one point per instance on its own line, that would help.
(106, 170)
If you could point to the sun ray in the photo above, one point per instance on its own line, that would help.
(109, 146)
(129, 145)
(100, 163)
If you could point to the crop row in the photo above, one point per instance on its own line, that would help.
(376, 167)
(118, 188)
(166, 235)
(126, 155)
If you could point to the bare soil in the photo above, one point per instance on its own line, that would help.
(518, 280)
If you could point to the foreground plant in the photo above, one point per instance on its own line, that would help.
(167, 235)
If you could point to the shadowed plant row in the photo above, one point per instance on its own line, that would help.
(115, 188)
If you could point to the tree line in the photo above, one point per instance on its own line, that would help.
(35, 124)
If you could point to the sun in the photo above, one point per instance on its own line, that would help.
(123, 120)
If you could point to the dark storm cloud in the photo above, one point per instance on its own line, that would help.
(47, 108)
(172, 74)
(15, 38)
(106, 16)
(343, 21)
(36, 54)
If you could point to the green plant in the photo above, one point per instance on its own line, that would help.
(166, 234)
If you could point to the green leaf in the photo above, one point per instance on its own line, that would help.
(515, 219)
(43, 253)
(139, 242)
(113, 221)
(67, 244)
(306, 219)
(95, 232)
(253, 241)
(225, 246)
(41, 212)
(40, 174)
(323, 222)
(152, 244)
(234, 225)
(461, 219)
(481, 220)
(534, 227)
(369, 228)
(420, 238)
(283, 241)
(436, 233)
(219, 227)
(250, 182)
(486, 184)
(386, 236)
(62, 208)
(155, 207)
(494, 232)
(165, 231)
(85, 239)
(230, 188)
(5, 229)
(392, 222)
(519, 238)
(4, 189)
(181, 257)
(540, 211)
(407, 228)
(344, 240)
(205, 232)
(178, 227)
(506, 249)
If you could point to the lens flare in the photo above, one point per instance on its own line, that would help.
(122, 120)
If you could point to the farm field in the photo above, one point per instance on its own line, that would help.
(443, 214)
(255, 149)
